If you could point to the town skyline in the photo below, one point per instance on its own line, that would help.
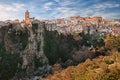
(53, 9)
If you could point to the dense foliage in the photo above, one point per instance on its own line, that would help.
(50, 47)
(8, 64)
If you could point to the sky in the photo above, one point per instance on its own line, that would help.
(52, 9)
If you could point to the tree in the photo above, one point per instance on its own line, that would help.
(50, 47)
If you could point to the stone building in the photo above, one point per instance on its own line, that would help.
(28, 20)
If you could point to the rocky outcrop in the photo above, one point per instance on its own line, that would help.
(34, 47)
(28, 42)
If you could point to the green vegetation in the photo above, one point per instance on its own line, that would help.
(51, 49)
(37, 62)
(8, 64)
(34, 28)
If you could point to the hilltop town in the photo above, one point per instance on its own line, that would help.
(75, 24)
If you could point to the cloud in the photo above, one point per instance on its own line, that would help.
(11, 11)
(48, 5)
(106, 15)
(106, 5)
(66, 3)
(64, 12)
(71, 8)
(12, 7)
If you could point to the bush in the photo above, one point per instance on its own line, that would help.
(112, 42)
(109, 61)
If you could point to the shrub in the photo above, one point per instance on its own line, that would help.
(109, 61)
(37, 62)
(112, 42)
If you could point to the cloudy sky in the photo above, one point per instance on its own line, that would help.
(52, 9)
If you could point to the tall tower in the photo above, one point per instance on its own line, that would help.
(27, 16)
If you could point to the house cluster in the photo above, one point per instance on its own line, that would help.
(77, 24)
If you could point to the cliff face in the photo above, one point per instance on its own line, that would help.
(27, 43)
(34, 46)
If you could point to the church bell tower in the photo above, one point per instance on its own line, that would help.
(27, 15)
